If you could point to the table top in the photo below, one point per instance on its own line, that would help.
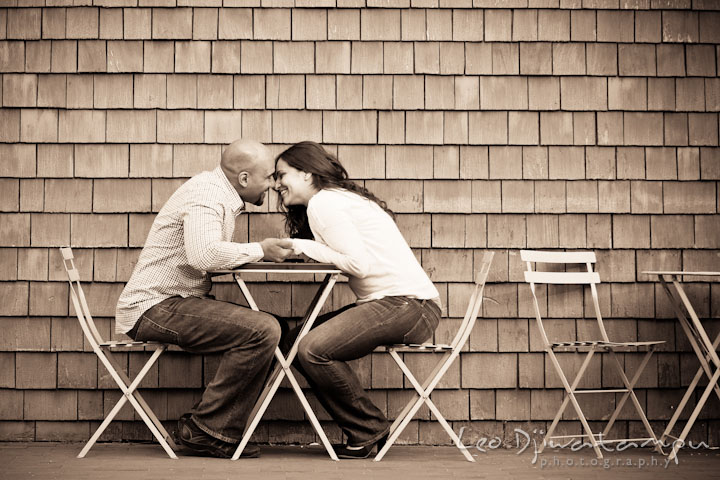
(681, 272)
(283, 267)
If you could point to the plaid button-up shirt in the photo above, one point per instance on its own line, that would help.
(190, 236)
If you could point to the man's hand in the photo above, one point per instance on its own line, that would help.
(276, 249)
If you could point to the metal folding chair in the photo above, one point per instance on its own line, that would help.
(603, 345)
(103, 349)
(449, 354)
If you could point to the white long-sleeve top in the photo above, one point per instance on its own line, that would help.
(362, 240)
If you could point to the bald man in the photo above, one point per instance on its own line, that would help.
(167, 298)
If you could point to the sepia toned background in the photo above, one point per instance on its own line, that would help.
(485, 124)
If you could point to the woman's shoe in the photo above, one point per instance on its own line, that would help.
(346, 451)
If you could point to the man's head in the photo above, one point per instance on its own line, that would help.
(249, 166)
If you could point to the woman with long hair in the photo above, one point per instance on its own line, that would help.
(332, 219)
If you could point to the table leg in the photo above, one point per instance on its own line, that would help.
(260, 406)
(705, 352)
(701, 349)
(282, 368)
(696, 411)
(698, 326)
(311, 415)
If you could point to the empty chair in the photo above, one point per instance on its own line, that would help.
(448, 354)
(103, 349)
(601, 343)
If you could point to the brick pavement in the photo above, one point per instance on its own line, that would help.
(139, 461)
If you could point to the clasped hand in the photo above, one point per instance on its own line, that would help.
(276, 249)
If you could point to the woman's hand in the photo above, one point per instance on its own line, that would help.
(276, 249)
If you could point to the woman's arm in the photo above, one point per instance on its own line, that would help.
(343, 246)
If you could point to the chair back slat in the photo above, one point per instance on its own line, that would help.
(589, 277)
(474, 305)
(557, 257)
(78, 299)
(563, 278)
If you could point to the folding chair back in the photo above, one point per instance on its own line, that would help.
(450, 353)
(102, 349)
(564, 259)
(79, 302)
(589, 278)
(473, 308)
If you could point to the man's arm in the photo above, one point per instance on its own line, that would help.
(204, 246)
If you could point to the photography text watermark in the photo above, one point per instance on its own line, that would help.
(524, 440)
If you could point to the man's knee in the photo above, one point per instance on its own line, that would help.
(269, 330)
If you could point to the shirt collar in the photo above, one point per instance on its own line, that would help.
(236, 203)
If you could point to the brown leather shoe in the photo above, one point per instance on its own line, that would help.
(200, 443)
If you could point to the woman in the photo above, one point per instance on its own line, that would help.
(396, 301)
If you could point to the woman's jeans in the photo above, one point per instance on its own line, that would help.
(247, 340)
(350, 333)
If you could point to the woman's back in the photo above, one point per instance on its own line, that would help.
(377, 257)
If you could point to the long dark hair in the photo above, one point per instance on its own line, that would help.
(327, 172)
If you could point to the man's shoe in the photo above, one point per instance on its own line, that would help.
(202, 444)
(346, 451)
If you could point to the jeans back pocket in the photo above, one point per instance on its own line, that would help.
(425, 326)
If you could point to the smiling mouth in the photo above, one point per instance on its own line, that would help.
(282, 192)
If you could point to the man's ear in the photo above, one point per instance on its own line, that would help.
(243, 179)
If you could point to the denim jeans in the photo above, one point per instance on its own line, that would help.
(247, 340)
(350, 333)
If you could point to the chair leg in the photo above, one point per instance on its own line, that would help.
(425, 385)
(103, 426)
(130, 393)
(396, 433)
(449, 430)
(151, 415)
(570, 395)
(423, 391)
(152, 426)
(630, 393)
(553, 425)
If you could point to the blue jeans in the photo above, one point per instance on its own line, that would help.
(247, 340)
(350, 333)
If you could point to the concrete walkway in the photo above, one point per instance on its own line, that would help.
(147, 461)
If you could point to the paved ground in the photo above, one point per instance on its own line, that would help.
(148, 461)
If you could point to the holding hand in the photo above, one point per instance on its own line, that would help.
(276, 249)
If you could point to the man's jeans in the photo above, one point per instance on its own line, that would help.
(350, 333)
(247, 339)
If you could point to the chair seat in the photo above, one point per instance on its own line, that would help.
(601, 343)
(130, 344)
(416, 347)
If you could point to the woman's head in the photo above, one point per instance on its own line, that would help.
(301, 171)
(304, 169)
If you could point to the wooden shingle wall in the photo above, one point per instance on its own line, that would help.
(485, 124)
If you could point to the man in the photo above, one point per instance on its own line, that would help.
(166, 299)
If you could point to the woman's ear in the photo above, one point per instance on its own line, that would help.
(243, 179)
